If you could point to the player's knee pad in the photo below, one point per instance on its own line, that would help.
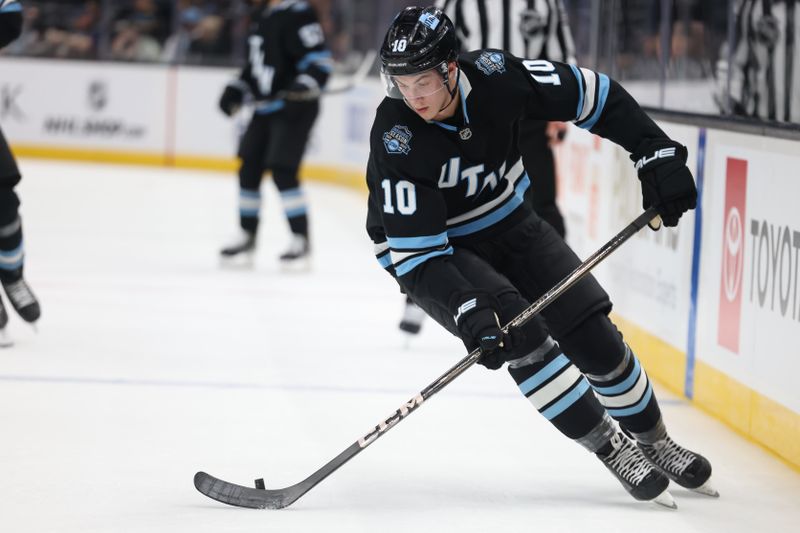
(595, 345)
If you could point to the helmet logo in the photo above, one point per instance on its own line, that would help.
(430, 20)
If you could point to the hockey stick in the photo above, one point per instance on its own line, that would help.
(261, 498)
(348, 83)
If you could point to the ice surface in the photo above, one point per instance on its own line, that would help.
(152, 362)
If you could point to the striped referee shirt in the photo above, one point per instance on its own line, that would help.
(765, 78)
(535, 29)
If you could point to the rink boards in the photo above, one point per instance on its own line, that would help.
(711, 308)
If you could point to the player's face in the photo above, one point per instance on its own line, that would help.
(425, 93)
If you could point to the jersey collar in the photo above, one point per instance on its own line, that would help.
(464, 88)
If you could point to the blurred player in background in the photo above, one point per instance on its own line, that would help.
(536, 29)
(765, 67)
(12, 251)
(287, 68)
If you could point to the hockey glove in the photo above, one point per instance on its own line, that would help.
(232, 98)
(479, 326)
(667, 183)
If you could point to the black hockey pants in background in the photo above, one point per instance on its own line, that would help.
(276, 142)
(11, 246)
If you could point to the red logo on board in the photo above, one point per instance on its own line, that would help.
(733, 240)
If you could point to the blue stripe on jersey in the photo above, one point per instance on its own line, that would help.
(248, 211)
(417, 243)
(496, 215)
(245, 193)
(570, 398)
(271, 107)
(625, 385)
(318, 58)
(11, 8)
(550, 370)
(600, 104)
(634, 409)
(579, 76)
(411, 264)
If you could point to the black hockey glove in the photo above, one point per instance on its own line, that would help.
(477, 321)
(667, 182)
(232, 99)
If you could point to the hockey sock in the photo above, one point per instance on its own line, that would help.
(12, 252)
(627, 395)
(558, 390)
(249, 209)
(294, 206)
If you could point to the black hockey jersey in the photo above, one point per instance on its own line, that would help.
(432, 185)
(286, 46)
(10, 21)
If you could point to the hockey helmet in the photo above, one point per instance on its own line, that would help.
(419, 39)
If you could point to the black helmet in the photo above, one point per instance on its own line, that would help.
(419, 39)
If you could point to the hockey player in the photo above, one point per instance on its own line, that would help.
(536, 30)
(447, 217)
(12, 255)
(287, 68)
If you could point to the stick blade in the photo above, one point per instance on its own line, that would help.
(240, 496)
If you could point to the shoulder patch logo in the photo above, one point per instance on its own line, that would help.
(397, 140)
(491, 62)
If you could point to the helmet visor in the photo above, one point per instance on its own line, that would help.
(418, 85)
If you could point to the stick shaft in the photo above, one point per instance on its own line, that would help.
(233, 494)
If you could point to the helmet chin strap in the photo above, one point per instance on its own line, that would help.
(452, 92)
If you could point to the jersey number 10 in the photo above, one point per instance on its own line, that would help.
(406, 194)
(540, 65)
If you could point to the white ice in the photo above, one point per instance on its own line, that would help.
(151, 362)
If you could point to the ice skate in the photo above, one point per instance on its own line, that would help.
(240, 251)
(298, 255)
(22, 299)
(684, 467)
(412, 319)
(639, 477)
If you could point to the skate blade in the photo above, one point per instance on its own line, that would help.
(301, 265)
(243, 261)
(5, 342)
(707, 489)
(665, 499)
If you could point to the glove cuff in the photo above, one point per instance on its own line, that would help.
(463, 303)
